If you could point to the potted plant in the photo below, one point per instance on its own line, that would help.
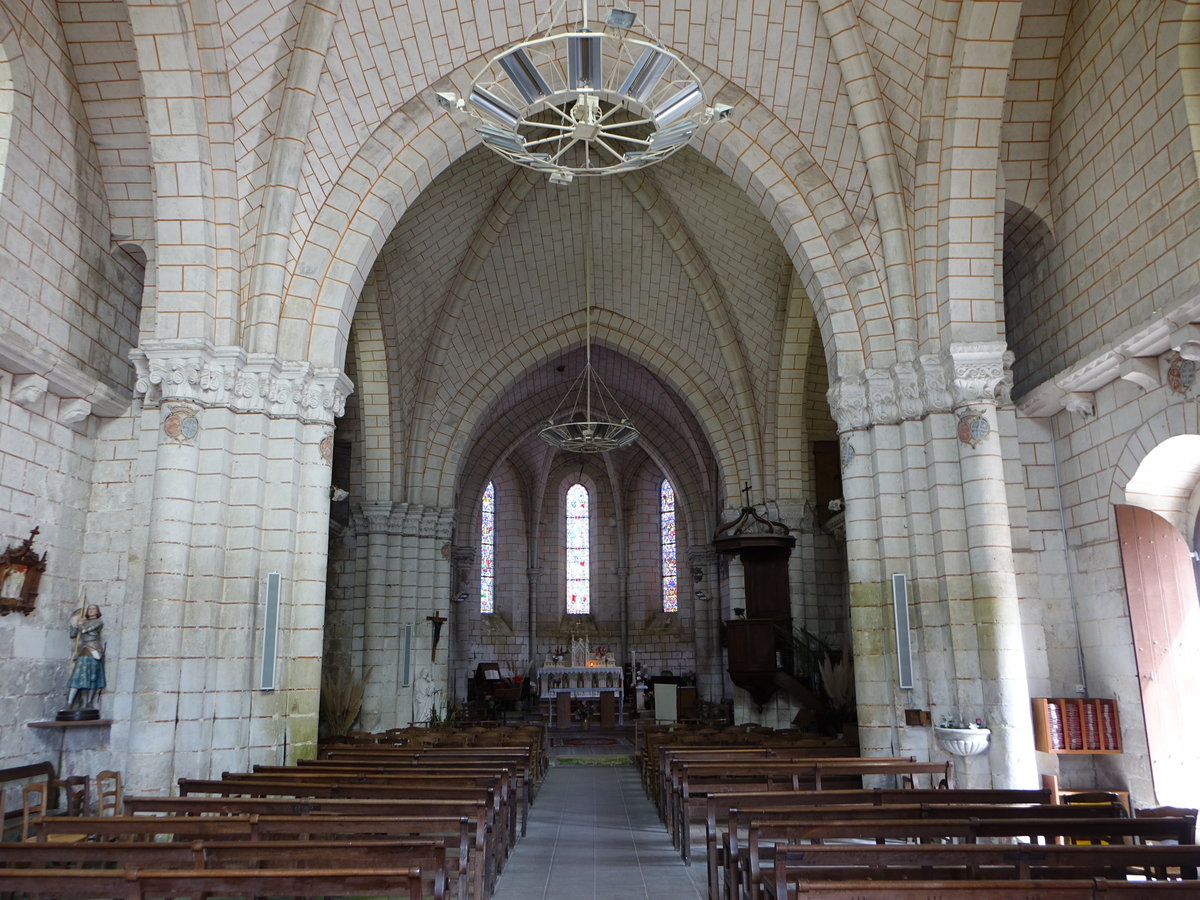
(585, 714)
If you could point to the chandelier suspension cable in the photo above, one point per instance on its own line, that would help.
(587, 287)
(584, 429)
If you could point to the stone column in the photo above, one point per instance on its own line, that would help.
(981, 380)
(533, 575)
(622, 574)
(925, 495)
(422, 554)
(384, 669)
(157, 662)
(464, 574)
(241, 488)
(298, 697)
(711, 682)
(870, 629)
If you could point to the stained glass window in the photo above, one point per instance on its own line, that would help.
(578, 551)
(487, 551)
(666, 522)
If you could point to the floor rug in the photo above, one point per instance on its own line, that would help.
(585, 742)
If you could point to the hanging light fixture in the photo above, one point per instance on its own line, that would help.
(572, 102)
(588, 419)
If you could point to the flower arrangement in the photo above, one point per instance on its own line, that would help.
(585, 712)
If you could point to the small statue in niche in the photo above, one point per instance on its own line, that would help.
(87, 679)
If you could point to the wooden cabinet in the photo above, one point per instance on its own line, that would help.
(1076, 725)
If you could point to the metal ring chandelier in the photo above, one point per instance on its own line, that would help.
(578, 102)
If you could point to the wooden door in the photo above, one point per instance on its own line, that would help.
(1164, 614)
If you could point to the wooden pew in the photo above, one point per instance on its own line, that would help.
(144, 884)
(530, 766)
(493, 788)
(718, 806)
(697, 782)
(745, 871)
(660, 776)
(1078, 889)
(484, 864)
(731, 853)
(464, 840)
(427, 855)
(512, 782)
(890, 866)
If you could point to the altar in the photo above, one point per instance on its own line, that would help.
(582, 674)
(563, 685)
(580, 679)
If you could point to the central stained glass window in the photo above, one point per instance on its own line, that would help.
(666, 527)
(578, 551)
(487, 551)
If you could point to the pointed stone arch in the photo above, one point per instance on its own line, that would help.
(1175, 421)
(434, 470)
(756, 150)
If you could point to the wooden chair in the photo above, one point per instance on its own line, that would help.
(75, 789)
(109, 801)
(1162, 812)
(1102, 799)
(35, 807)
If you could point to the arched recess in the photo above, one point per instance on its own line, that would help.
(1179, 39)
(417, 142)
(1029, 295)
(1164, 609)
(435, 470)
(15, 103)
(373, 391)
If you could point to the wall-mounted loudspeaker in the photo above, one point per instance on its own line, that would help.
(406, 652)
(903, 638)
(270, 648)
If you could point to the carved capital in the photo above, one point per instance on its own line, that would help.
(848, 402)
(935, 388)
(416, 520)
(909, 395)
(964, 374)
(979, 373)
(883, 403)
(228, 377)
(377, 515)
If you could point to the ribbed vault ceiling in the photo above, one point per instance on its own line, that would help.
(682, 262)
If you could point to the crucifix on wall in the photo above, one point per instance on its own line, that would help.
(438, 621)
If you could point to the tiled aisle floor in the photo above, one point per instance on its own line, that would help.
(593, 835)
